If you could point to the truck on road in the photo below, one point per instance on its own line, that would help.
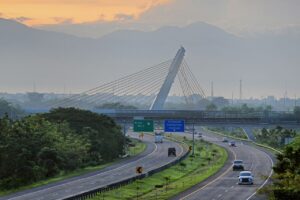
(158, 138)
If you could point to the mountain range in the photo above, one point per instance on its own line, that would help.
(267, 63)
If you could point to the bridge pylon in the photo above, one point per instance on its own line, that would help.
(163, 93)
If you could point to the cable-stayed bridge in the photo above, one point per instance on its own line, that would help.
(145, 94)
(148, 88)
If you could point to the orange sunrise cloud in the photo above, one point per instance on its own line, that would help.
(36, 12)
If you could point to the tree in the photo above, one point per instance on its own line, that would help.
(6, 108)
(286, 183)
(297, 112)
(275, 137)
(41, 146)
(246, 109)
(116, 105)
(211, 107)
(104, 135)
(33, 148)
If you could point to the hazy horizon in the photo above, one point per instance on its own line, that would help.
(255, 41)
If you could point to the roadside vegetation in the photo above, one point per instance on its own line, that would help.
(62, 142)
(234, 132)
(135, 148)
(10, 110)
(117, 106)
(208, 159)
(297, 113)
(247, 109)
(286, 180)
(274, 138)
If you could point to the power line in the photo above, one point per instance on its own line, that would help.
(106, 87)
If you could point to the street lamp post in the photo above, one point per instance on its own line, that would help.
(193, 138)
(124, 133)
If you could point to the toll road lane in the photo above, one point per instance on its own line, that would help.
(225, 184)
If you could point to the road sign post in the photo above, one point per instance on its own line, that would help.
(124, 134)
(143, 125)
(139, 170)
(193, 139)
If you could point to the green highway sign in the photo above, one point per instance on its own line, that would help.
(143, 126)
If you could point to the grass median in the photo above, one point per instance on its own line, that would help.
(135, 148)
(208, 159)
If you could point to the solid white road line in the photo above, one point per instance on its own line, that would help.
(229, 169)
(272, 164)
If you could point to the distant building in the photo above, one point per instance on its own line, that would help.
(220, 102)
(35, 97)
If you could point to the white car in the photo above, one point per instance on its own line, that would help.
(246, 177)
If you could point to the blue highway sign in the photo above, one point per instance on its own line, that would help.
(174, 125)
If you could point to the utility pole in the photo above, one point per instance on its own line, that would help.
(212, 90)
(64, 88)
(285, 97)
(124, 132)
(241, 91)
(34, 87)
(193, 138)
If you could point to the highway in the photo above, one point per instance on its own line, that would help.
(223, 185)
(154, 157)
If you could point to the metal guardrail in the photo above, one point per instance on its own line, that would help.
(100, 190)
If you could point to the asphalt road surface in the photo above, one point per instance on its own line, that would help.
(154, 157)
(224, 184)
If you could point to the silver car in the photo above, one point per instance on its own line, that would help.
(246, 177)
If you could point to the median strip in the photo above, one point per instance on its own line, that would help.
(208, 159)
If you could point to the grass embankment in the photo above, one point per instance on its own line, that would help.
(237, 133)
(258, 143)
(266, 143)
(136, 148)
(208, 159)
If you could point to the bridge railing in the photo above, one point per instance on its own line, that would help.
(272, 116)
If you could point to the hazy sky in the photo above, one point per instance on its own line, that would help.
(94, 18)
(97, 17)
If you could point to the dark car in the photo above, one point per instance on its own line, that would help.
(232, 144)
(225, 139)
(171, 151)
(238, 165)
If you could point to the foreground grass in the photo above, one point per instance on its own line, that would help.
(137, 148)
(208, 159)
